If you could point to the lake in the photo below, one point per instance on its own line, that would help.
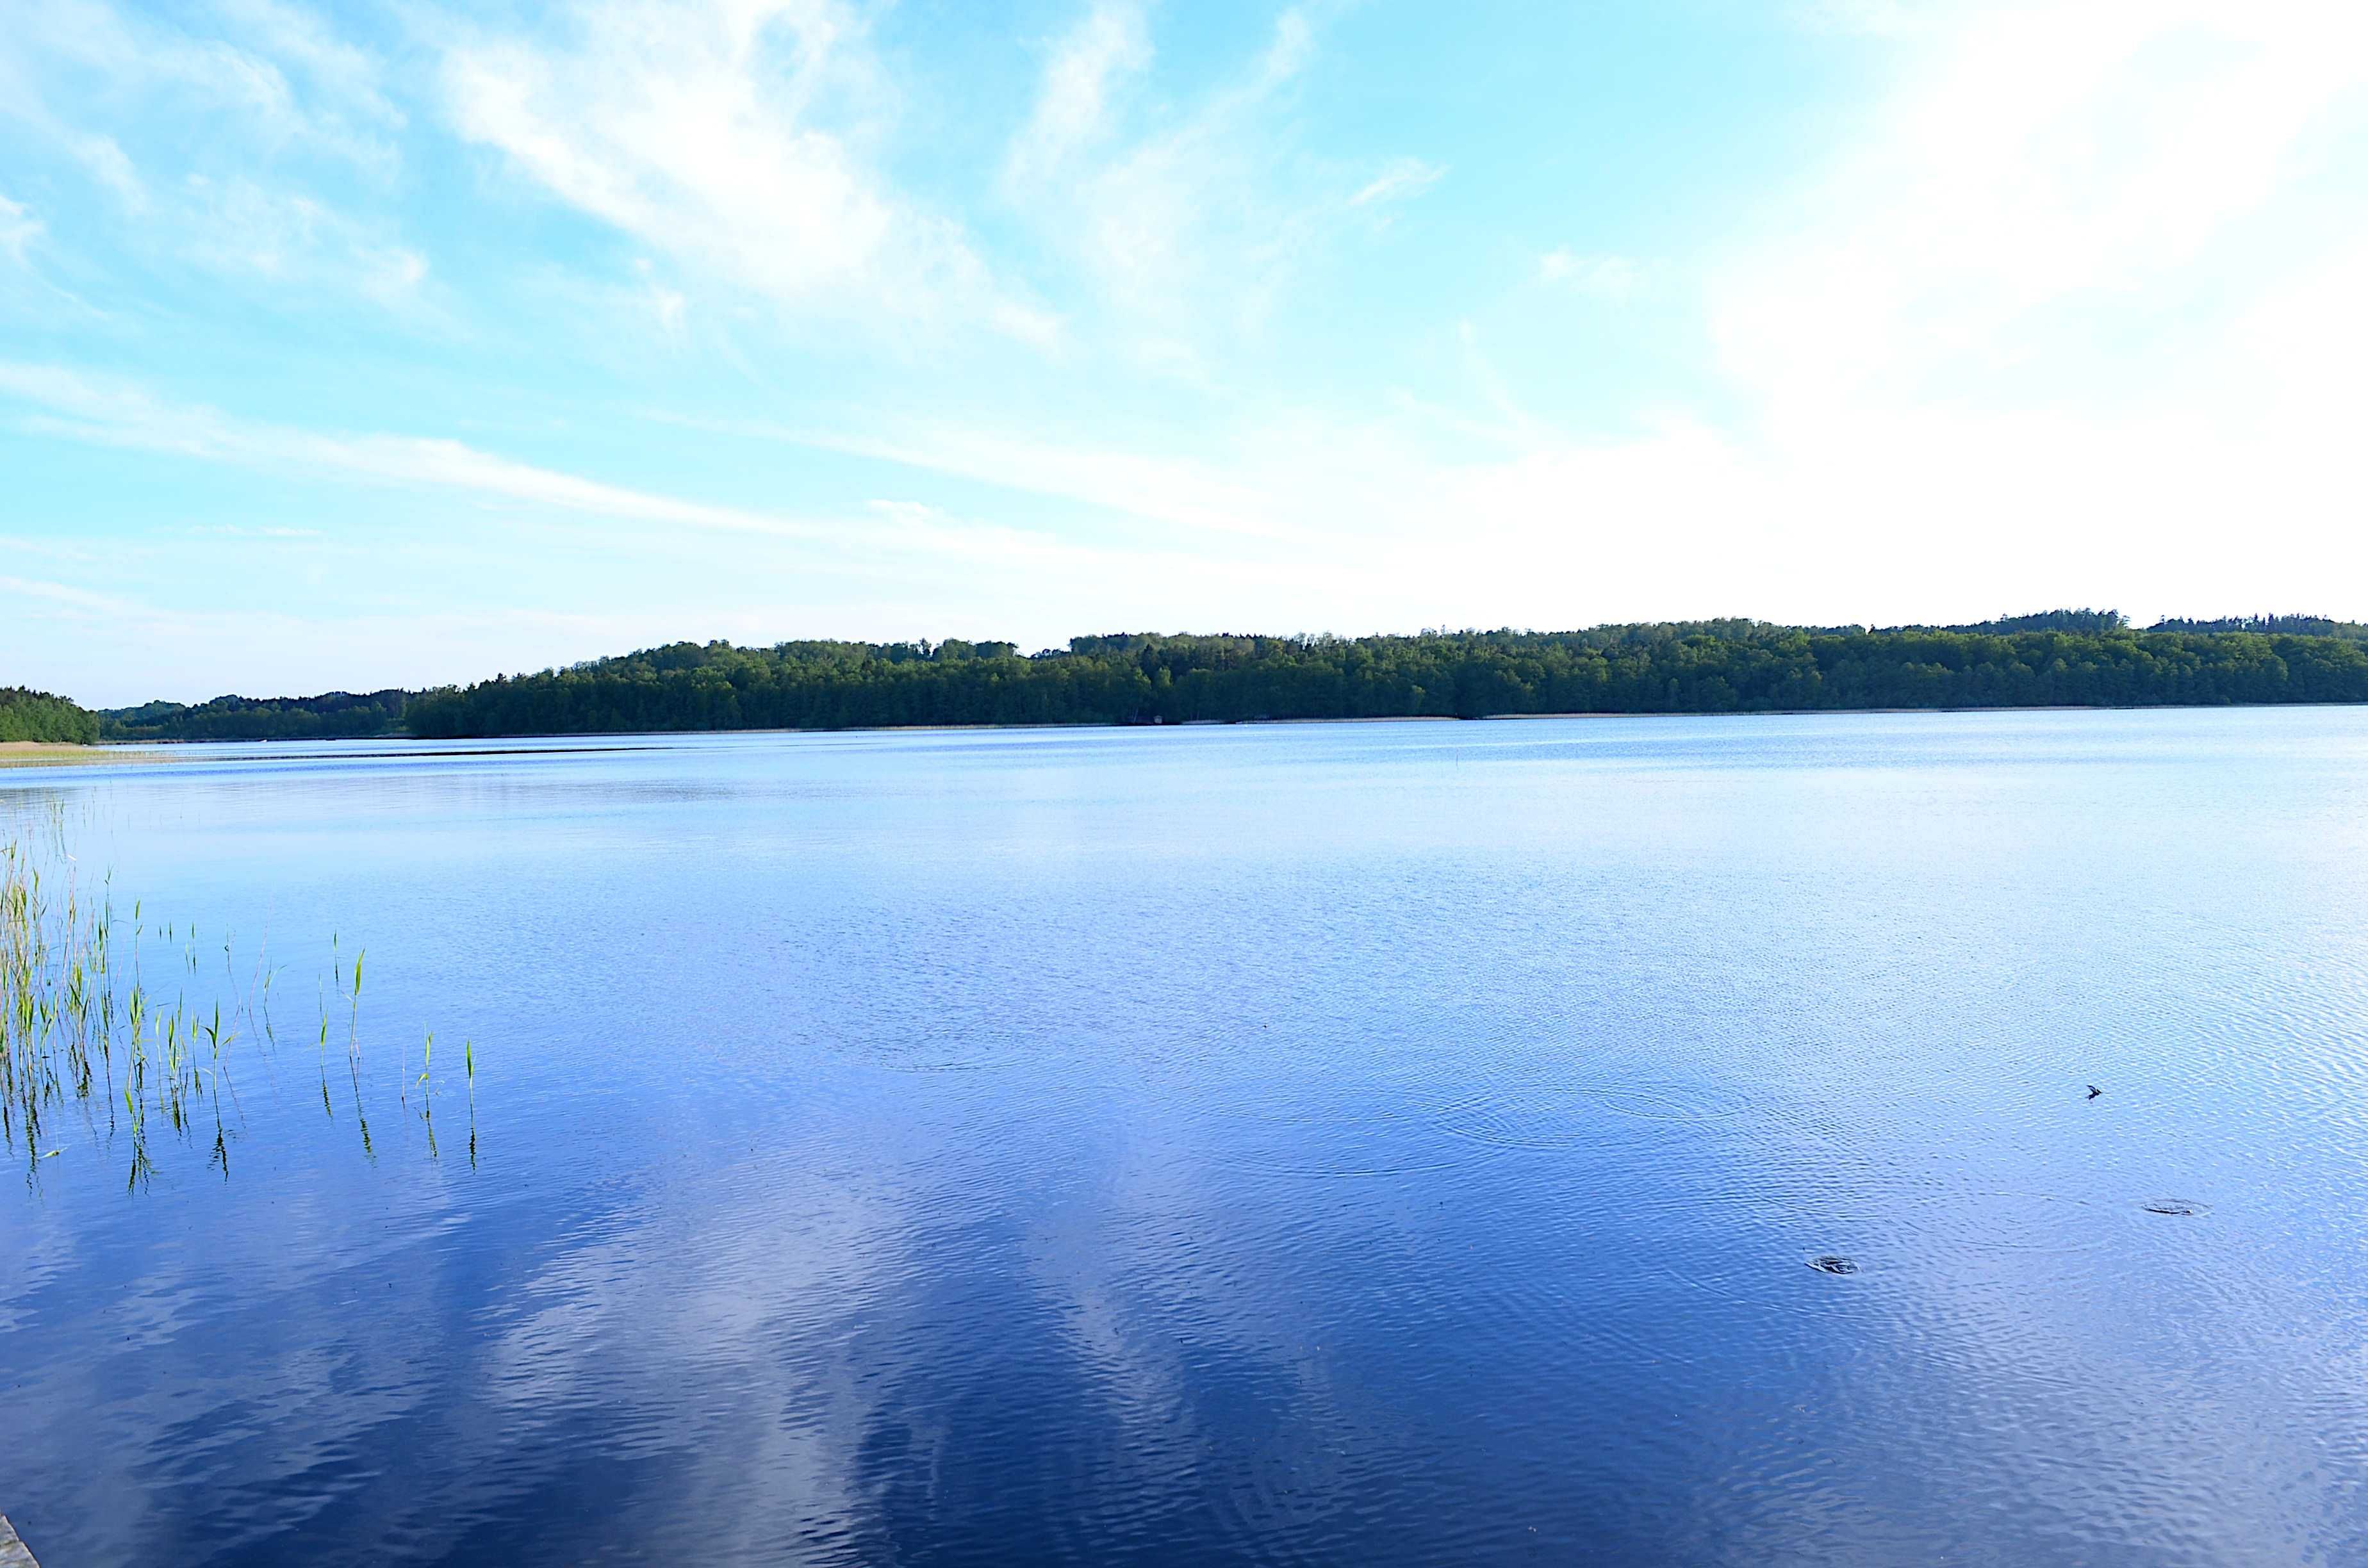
(1377, 1143)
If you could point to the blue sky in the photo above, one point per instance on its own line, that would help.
(373, 344)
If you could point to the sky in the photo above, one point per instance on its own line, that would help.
(386, 343)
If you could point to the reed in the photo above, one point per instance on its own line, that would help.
(88, 1045)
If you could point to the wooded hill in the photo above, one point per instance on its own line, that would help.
(37, 716)
(1693, 668)
(335, 715)
(2061, 658)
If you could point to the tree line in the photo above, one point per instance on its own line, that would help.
(1722, 666)
(2060, 658)
(334, 715)
(37, 716)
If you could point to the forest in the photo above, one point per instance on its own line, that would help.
(37, 716)
(335, 715)
(2060, 658)
(2063, 659)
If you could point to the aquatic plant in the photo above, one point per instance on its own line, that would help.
(88, 1045)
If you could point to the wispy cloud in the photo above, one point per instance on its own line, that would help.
(251, 530)
(1400, 178)
(261, 105)
(1155, 488)
(104, 410)
(287, 83)
(1608, 278)
(99, 157)
(727, 135)
(668, 305)
(116, 414)
(84, 601)
(306, 45)
(1109, 46)
(1184, 232)
(287, 238)
(18, 229)
(1877, 19)
(2035, 160)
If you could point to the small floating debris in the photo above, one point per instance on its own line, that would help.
(1830, 1263)
(2179, 1207)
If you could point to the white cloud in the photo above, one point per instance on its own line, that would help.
(2070, 285)
(101, 158)
(251, 530)
(1288, 52)
(345, 74)
(1608, 278)
(1184, 233)
(147, 59)
(1878, 18)
(1107, 46)
(111, 166)
(1400, 178)
(284, 237)
(2296, 353)
(107, 412)
(217, 117)
(67, 596)
(2041, 171)
(116, 414)
(18, 229)
(1159, 489)
(667, 304)
(704, 132)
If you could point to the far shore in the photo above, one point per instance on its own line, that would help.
(43, 754)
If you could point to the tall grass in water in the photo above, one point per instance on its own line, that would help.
(90, 1049)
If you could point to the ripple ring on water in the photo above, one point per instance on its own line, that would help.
(1559, 1115)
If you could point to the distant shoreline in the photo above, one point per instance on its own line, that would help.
(30, 753)
(2063, 659)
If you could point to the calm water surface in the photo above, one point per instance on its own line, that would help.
(1396, 1144)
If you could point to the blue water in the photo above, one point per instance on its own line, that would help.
(1387, 1144)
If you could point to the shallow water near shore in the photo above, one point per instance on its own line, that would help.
(1620, 1141)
